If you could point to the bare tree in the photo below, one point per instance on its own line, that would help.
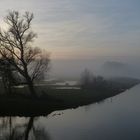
(90, 81)
(16, 48)
(86, 78)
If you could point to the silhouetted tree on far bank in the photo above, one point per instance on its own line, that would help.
(86, 79)
(89, 81)
(16, 49)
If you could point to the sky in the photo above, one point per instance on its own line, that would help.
(82, 29)
(83, 34)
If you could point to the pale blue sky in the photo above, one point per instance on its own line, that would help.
(83, 28)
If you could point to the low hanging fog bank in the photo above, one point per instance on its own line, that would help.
(105, 66)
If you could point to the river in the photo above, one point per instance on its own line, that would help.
(116, 118)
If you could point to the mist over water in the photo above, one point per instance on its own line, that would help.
(107, 66)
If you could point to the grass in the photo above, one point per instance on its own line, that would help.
(50, 99)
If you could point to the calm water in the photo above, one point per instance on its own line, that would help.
(117, 118)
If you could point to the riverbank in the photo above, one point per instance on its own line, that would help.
(51, 100)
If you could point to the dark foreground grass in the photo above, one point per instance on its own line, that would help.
(50, 100)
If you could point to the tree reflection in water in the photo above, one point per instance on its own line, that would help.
(11, 130)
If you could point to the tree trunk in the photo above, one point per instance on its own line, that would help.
(31, 87)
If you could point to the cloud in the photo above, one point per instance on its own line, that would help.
(104, 27)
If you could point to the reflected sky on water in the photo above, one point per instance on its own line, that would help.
(116, 118)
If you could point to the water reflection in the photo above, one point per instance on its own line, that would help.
(14, 128)
(116, 118)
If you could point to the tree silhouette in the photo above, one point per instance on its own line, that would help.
(86, 79)
(16, 48)
(90, 81)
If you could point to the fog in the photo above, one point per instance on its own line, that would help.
(71, 69)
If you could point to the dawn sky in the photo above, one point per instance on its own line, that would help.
(83, 28)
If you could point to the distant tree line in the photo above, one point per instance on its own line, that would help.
(90, 81)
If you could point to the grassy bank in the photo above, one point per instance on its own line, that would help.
(51, 100)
